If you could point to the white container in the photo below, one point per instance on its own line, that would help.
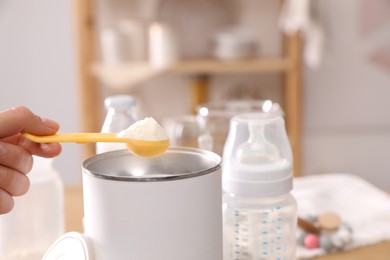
(123, 43)
(150, 208)
(235, 43)
(163, 46)
(134, 36)
(259, 214)
(121, 113)
(111, 47)
(37, 219)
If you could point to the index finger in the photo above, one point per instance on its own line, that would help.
(20, 119)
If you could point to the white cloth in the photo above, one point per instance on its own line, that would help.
(360, 204)
(296, 15)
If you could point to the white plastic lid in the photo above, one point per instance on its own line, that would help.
(119, 101)
(70, 246)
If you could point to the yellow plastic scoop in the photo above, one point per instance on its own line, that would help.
(144, 148)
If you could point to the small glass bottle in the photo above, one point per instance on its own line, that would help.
(37, 219)
(259, 213)
(121, 113)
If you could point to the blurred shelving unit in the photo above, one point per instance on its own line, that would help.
(91, 73)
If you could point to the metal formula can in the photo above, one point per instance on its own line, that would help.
(166, 207)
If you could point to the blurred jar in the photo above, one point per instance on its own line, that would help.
(133, 35)
(121, 113)
(214, 119)
(163, 46)
(124, 42)
(37, 219)
(111, 49)
(235, 43)
(182, 130)
(195, 32)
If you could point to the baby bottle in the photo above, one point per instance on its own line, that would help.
(37, 218)
(121, 113)
(259, 213)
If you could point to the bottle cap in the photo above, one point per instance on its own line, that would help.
(329, 221)
(119, 102)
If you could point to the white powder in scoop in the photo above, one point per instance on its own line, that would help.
(146, 129)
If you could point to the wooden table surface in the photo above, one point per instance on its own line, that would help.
(74, 214)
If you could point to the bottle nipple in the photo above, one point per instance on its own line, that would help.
(258, 149)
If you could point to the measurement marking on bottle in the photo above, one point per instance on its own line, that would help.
(258, 235)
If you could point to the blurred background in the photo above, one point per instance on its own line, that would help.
(345, 69)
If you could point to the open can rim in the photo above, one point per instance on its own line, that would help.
(213, 159)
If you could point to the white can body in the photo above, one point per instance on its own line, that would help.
(172, 218)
